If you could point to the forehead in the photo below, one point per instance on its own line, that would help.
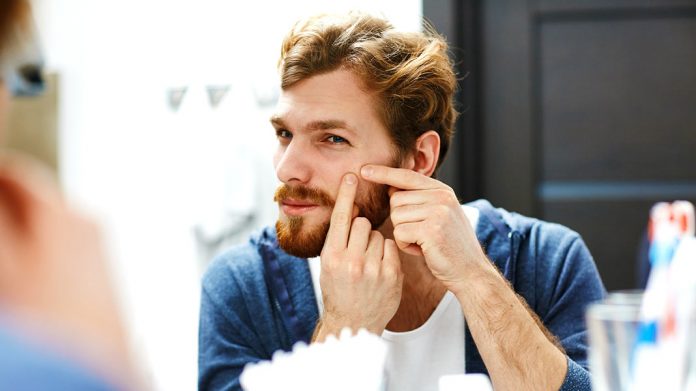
(335, 96)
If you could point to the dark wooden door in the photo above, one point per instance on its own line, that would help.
(587, 115)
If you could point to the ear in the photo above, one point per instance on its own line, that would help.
(426, 153)
(26, 187)
(15, 215)
(15, 201)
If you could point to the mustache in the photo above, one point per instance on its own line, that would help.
(303, 193)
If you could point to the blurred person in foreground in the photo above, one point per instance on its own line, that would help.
(367, 237)
(59, 319)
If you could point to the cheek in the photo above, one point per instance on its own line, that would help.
(367, 193)
(333, 170)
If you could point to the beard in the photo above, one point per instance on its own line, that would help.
(297, 238)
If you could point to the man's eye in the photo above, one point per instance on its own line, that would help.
(282, 133)
(336, 139)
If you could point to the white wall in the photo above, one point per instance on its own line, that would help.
(149, 173)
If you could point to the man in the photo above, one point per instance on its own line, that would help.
(363, 122)
(59, 322)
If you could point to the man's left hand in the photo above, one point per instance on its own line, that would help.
(428, 220)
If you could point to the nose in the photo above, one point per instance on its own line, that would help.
(293, 163)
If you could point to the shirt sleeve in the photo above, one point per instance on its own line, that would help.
(222, 352)
(26, 365)
(577, 378)
(569, 282)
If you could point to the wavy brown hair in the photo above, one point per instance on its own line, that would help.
(14, 15)
(410, 72)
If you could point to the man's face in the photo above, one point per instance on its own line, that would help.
(327, 126)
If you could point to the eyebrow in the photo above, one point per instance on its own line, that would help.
(326, 124)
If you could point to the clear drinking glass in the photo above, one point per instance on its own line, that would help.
(612, 325)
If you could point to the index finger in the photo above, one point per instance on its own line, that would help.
(401, 178)
(342, 215)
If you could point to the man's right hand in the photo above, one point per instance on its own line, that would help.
(361, 278)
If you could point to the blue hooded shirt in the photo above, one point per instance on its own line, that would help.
(256, 299)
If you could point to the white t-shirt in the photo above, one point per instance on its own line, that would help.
(416, 359)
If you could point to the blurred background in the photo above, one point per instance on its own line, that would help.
(581, 112)
(155, 119)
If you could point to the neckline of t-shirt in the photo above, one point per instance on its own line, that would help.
(422, 329)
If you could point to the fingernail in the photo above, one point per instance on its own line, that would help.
(366, 171)
(350, 179)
